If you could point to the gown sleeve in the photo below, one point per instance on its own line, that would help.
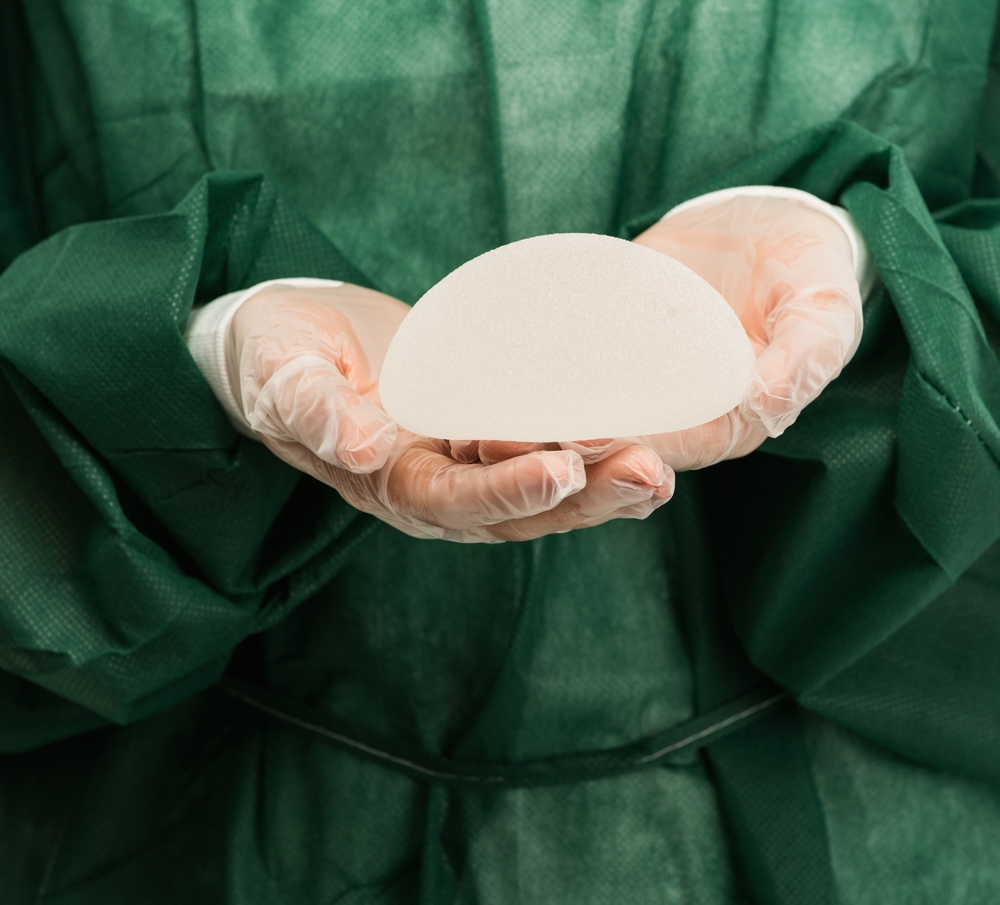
(142, 537)
(860, 552)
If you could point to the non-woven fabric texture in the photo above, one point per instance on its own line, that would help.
(157, 155)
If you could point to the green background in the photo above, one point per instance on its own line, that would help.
(155, 155)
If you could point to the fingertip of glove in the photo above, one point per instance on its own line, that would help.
(371, 453)
(569, 471)
(659, 488)
(665, 492)
(756, 405)
(464, 451)
(772, 425)
(590, 451)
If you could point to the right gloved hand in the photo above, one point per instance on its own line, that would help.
(303, 364)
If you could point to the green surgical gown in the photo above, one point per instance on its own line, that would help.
(221, 684)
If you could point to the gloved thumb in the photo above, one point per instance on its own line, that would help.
(309, 402)
(813, 336)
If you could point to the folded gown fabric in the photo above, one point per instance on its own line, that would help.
(155, 156)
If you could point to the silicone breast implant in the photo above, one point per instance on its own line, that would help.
(570, 336)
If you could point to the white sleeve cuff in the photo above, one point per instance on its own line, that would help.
(205, 336)
(864, 265)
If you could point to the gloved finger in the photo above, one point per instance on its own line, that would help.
(362, 492)
(727, 437)
(489, 452)
(811, 339)
(639, 510)
(308, 401)
(493, 451)
(464, 451)
(630, 484)
(621, 486)
(433, 488)
(592, 451)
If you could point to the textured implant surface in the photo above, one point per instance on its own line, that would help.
(570, 336)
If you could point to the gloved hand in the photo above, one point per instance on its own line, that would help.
(303, 364)
(787, 270)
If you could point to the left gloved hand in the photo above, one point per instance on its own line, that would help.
(302, 364)
(787, 270)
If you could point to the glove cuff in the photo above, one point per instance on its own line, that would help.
(864, 265)
(206, 335)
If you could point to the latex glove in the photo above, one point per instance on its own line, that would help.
(303, 365)
(788, 271)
